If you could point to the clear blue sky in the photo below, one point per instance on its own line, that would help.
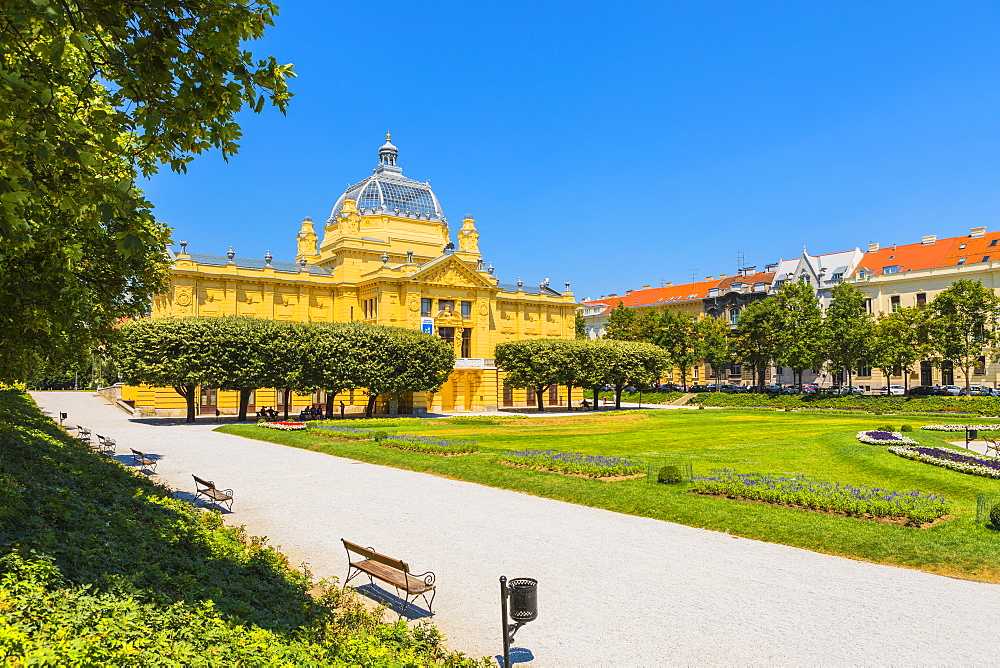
(617, 145)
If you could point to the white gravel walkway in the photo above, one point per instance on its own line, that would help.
(614, 590)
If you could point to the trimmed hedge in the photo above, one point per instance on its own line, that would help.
(100, 566)
(633, 397)
(862, 404)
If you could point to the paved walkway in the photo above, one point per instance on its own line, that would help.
(614, 590)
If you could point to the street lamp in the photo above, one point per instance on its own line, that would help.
(523, 595)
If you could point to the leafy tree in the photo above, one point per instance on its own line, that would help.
(759, 337)
(539, 363)
(847, 329)
(648, 325)
(622, 363)
(329, 360)
(964, 321)
(621, 324)
(897, 341)
(393, 360)
(681, 338)
(247, 353)
(580, 326)
(716, 336)
(801, 340)
(95, 95)
(167, 352)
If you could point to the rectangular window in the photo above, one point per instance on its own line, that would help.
(447, 333)
(986, 258)
(553, 395)
(868, 305)
(370, 307)
(695, 376)
(508, 394)
(961, 260)
(980, 368)
(894, 269)
(864, 370)
(467, 342)
(530, 396)
(894, 303)
(921, 299)
(994, 243)
(425, 307)
(466, 309)
(947, 373)
(446, 304)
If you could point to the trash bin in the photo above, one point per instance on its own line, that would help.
(523, 599)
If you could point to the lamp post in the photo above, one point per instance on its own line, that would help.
(523, 594)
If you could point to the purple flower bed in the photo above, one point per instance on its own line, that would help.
(879, 437)
(988, 467)
(597, 466)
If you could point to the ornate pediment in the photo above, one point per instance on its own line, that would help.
(451, 272)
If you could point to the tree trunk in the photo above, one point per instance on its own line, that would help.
(329, 404)
(569, 397)
(538, 398)
(188, 392)
(888, 382)
(244, 402)
(370, 408)
(618, 397)
(287, 394)
(684, 383)
(597, 392)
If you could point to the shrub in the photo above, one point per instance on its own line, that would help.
(864, 404)
(906, 427)
(995, 516)
(669, 475)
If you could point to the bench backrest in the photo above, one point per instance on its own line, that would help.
(369, 553)
(140, 454)
(203, 483)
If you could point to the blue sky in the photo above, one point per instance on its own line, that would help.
(617, 145)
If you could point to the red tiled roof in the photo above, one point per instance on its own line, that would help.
(941, 253)
(671, 294)
(759, 277)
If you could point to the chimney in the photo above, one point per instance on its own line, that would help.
(931, 238)
(872, 247)
(709, 278)
(667, 285)
(771, 268)
(977, 231)
(613, 294)
(646, 287)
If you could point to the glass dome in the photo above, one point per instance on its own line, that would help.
(388, 191)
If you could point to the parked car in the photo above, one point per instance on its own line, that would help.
(979, 391)
(772, 389)
(951, 390)
(894, 390)
(810, 389)
(921, 391)
(698, 388)
(845, 390)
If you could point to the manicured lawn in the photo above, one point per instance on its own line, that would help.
(822, 446)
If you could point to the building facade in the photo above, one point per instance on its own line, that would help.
(385, 256)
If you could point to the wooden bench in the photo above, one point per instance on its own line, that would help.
(991, 444)
(105, 445)
(208, 489)
(83, 434)
(143, 461)
(393, 571)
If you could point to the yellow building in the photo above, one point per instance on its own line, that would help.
(385, 257)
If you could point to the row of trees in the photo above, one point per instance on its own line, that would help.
(959, 326)
(244, 354)
(537, 364)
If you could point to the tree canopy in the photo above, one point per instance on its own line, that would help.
(847, 329)
(96, 94)
(964, 322)
(539, 363)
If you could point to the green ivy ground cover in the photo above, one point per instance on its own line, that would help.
(99, 566)
(823, 446)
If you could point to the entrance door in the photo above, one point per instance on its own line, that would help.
(209, 400)
(947, 373)
(925, 373)
(508, 394)
(553, 395)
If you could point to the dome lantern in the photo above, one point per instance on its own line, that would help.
(387, 153)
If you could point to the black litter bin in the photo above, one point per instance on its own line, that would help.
(523, 599)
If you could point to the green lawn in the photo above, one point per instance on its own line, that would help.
(820, 445)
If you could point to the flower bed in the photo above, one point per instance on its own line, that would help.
(878, 437)
(430, 445)
(575, 463)
(961, 427)
(835, 497)
(988, 467)
(283, 426)
(348, 433)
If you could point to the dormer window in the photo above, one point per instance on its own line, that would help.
(837, 276)
(961, 261)
(993, 243)
(962, 247)
(894, 269)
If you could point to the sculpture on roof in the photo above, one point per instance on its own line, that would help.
(468, 237)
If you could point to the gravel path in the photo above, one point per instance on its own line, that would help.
(614, 590)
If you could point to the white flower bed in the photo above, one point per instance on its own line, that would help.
(988, 467)
(961, 427)
(898, 439)
(283, 426)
